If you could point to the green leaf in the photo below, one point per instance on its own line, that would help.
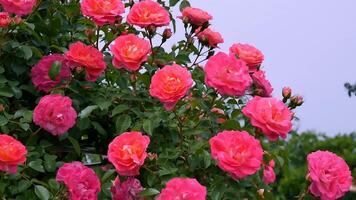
(149, 192)
(23, 185)
(25, 126)
(42, 192)
(3, 121)
(55, 70)
(87, 111)
(119, 109)
(173, 2)
(122, 123)
(75, 145)
(148, 127)
(27, 52)
(6, 92)
(99, 128)
(37, 165)
(184, 4)
(50, 162)
(107, 175)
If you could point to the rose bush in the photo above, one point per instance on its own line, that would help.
(98, 101)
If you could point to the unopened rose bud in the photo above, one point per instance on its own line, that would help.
(17, 19)
(124, 32)
(89, 33)
(185, 20)
(297, 100)
(217, 111)
(167, 33)
(220, 120)
(151, 30)
(286, 92)
(2, 107)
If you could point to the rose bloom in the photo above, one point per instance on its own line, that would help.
(147, 13)
(127, 152)
(130, 51)
(183, 188)
(213, 38)
(170, 84)
(329, 175)
(40, 77)
(268, 173)
(270, 115)
(19, 7)
(55, 114)
(128, 190)
(102, 11)
(12, 154)
(195, 16)
(81, 181)
(262, 86)
(228, 75)
(5, 19)
(248, 53)
(88, 57)
(237, 152)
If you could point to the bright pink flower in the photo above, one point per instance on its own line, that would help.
(263, 87)
(329, 174)
(81, 181)
(102, 11)
(251, 55)
(268, 173)
(237, 152)
(128, 190)
(213, 38)
(130, 51)
(5, 19)
(127, 152)
(87, 56)
(55, 114)
(270, 115)
(40, 72)
(170, 84)
(146, 13)
(19, 7)
(12, 153)
(195, 16)
(228, 75)
(183, 188)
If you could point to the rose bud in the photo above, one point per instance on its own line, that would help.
(167, 33)
(286, 92)
(2, 107)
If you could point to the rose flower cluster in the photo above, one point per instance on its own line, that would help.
(234, 74)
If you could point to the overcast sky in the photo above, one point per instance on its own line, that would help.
(308, 45)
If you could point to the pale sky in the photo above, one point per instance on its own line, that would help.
(308, 45)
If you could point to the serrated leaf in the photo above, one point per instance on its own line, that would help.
(119, 109)
(122, 123)
(55, 70)
(149, 192)
(87, 111)
(173, 2)
(148, 126)
(184, 4)
(6, 92)
(27, 52)
(75, 145)
(37, 165)
(42, 192)
(99, 128)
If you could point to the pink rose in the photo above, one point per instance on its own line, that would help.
(5, 19)
(228, 75)
(12, 154)
(270, 115)
(88, 57)
(329, 175)
(19, 7)
(195, 16)
(40, 71)
(237, 152)
(148, 13)
(183, 188)
(252, 56)
(268, 173)
(211, 37)
(102, 11)
(127, 152)
(170, 84)
(81, 181)
(55, 114)
(128, 190)
(130, 52)
(263, 87)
